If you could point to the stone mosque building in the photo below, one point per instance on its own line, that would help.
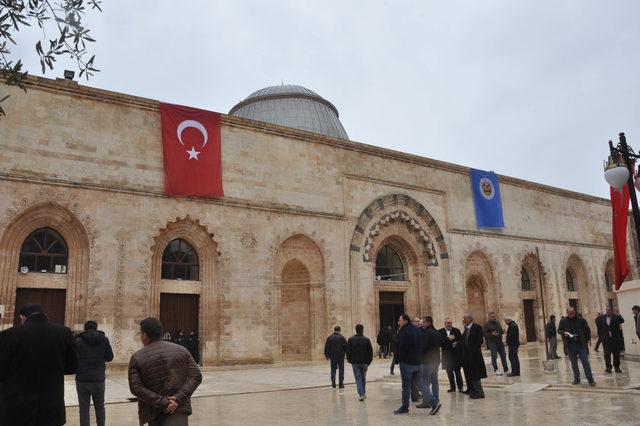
(314, 230)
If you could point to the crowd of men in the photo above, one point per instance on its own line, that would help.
(36, 355)
(419, 349)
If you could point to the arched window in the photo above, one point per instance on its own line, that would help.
(180, 262)
(570, 285)
(44, 251)
(608, 282)
(524, 280)
(389, 266)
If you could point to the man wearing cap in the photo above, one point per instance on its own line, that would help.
(94, 350)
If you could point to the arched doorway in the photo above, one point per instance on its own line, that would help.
(301, 321)
(45, 259)
(295, 315)
(476, 299)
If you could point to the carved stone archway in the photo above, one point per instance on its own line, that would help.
(75, 281)
(401, 220)
(208, 287)
(299, 273)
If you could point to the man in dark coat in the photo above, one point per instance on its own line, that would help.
(182, 340)
(409, 356)
(636, 318)
(194, 346)
(472, 359)
(610, 333)
(93, 350)
(334, 350)
(493, 334)
(430, 362)
(577, 334)
(552, 334)
(384, 340)
(34, 358)
(513, 342)
(451, 354)
(360, 354)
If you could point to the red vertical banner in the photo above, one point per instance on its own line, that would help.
(620, 208)
(191, 150)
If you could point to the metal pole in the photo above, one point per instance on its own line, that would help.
(632, 190)
(544, 313)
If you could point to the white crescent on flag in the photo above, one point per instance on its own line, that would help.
(196, 125)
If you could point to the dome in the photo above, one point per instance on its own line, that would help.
(292, 106)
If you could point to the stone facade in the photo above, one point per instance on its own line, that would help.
(290, 250)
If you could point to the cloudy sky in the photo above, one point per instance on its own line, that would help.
(531, 89)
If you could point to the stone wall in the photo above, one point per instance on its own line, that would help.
(95, 158)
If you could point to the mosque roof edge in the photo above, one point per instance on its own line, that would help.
(73, 88)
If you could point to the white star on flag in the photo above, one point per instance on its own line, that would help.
(193, 153)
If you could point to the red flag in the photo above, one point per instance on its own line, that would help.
(191, 151)
(620, 207)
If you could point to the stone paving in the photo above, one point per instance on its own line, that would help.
(298, 394)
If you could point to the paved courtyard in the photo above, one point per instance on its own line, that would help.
(298, 394)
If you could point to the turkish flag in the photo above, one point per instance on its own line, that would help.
(191, 151)
(620, 207)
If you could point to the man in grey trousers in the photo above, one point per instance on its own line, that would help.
(552, 334)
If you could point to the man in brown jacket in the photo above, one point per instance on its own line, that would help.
(163, 376)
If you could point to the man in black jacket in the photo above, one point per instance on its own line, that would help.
(431, 343)
(472, 359)
(451, 354)
(576, 332)
(513, 342)
(34, 358)
(610, 333)
(94, 350)
(360, 354)
(334, 350)
(409, 356)
(384, 340)
(493, 334)
(552, 334)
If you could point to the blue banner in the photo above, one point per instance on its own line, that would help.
(486, 197)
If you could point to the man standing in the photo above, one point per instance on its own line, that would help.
(194, 346)
(334, 350)
(599, 341)
(636, 318)
(94, 350)
(383, 340)
(577, 335)
(451, 362)
(163, 376)
(182, 340)
(409, 356)
(34, 358)
(472, 359)
(430, 363)
(552, 335)
(610, 333)
(493, 330)
(513, 342)
(360, 354)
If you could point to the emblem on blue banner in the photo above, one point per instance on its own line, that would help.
(486, 198)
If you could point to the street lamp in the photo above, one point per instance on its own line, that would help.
(618, 170)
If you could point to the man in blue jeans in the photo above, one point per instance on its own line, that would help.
(493, 335)
(409, 356)
(359, 355)
(334, 349)
(574, 330)
(431, 343)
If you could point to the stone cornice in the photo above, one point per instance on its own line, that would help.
(72, 88)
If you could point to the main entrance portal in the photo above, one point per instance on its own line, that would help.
(391, 307)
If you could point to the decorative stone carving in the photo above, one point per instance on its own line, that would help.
(412, 225)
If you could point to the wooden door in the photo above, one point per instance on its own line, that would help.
(52, 300)
(529, 320)
(391, 307)
(179, 312)
(574, 304)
